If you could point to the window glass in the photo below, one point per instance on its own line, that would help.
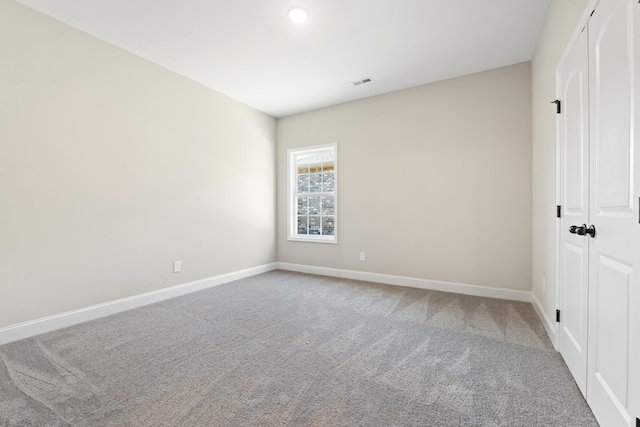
(312, 193)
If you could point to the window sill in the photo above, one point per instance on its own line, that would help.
(318, 239)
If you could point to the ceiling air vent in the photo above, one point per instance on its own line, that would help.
(363, 81)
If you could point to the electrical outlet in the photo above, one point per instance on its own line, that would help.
(177, 266)
(362, 257)
(544, 285)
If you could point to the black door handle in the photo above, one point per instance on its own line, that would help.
(582, 230)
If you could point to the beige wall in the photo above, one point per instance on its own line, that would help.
(434, 181)
(111, 168)
(561, 23)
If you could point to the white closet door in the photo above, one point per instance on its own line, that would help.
(574, 195)
(614, 253)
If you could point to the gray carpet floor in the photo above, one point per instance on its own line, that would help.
(289, 349)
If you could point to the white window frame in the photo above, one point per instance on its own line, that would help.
(292, 205)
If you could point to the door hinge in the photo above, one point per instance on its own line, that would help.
(558, 316)
(558, 103)
(558, 211)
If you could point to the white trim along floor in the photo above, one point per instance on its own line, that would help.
(46, 324)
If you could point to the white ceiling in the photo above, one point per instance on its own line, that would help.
(250, 51)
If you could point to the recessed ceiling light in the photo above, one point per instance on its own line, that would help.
(298, 14)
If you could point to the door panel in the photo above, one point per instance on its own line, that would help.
(575, 134)
(574, 149)
(612, 322)
(574, 294)
(614, 253)
(611, 44)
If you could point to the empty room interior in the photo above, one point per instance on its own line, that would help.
(319, 213)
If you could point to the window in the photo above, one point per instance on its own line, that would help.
(312, 194)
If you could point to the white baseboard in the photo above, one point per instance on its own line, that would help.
(47, 324)
(549, 325)
(434, 285)
(63, 320)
